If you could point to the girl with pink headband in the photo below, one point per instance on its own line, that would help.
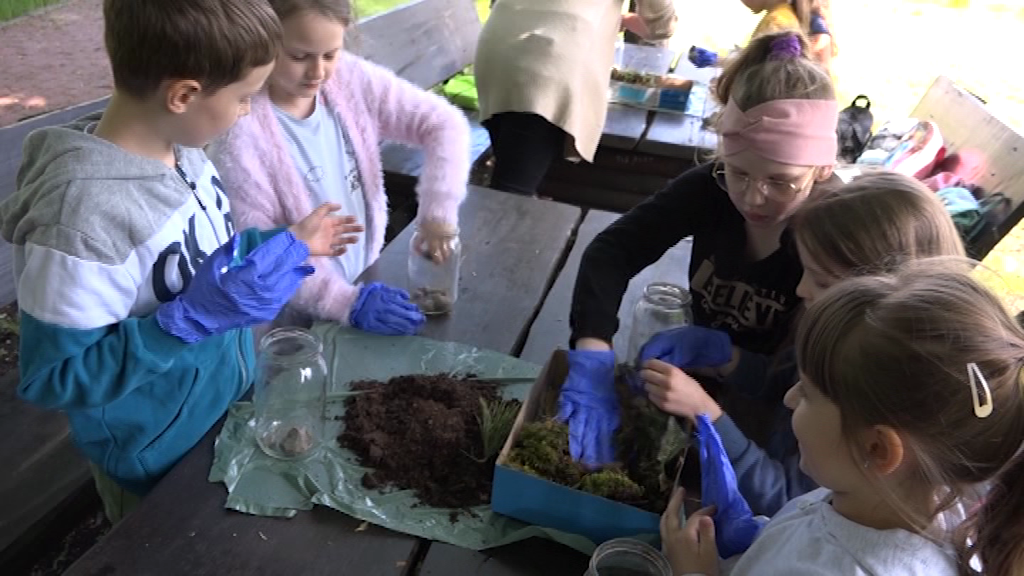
(778, 144)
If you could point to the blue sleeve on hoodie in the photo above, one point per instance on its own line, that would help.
(767, 481)
(67, 368)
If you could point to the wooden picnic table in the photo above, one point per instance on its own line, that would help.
(659, 133)
(515, 249)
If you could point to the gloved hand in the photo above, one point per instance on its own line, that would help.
(381, 309)
(688, 347)
(735, 526)
(590, 406)
(702, 57)
(226, 293)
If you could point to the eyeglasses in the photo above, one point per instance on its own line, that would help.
(773, 188)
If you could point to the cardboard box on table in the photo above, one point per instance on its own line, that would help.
(544, 503)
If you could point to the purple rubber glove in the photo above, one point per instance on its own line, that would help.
(225, 294)
(702, 57)
(735, 526)
(688, 347)
(384, 310)
(590, 406)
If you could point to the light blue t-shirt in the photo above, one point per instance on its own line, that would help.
(323, 155)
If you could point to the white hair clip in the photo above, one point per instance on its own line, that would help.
(982, 406)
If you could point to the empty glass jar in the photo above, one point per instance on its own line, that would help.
(434, 271)
(628, 557)
(290, 393)
(662, 306)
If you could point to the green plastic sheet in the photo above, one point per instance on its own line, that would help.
(261, 485)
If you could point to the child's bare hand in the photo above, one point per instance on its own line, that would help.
(435, 240)
(635, 24)
(690, 548)
(675, 392)
(326, 234)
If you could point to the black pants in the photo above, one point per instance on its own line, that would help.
(524, 147)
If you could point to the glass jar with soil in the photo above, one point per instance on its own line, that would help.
(434, 270)
(663, 306)
(628, 557)
(290, 393)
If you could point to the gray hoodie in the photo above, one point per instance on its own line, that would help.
(101, 238)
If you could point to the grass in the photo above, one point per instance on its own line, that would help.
(11, 9)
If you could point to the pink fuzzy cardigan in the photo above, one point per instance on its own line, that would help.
(374, 104)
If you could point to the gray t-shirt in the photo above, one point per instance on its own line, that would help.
(323, 155)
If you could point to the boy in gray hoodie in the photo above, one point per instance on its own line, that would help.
(136, 292)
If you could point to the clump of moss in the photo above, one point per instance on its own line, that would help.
(543, 450)
(612, 483)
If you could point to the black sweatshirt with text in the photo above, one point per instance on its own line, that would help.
(754, 302)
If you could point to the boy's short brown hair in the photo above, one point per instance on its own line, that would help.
(215, 42)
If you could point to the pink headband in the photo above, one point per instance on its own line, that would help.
(797, 132)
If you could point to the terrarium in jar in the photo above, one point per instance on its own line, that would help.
(290, 393)
(663, 306)
(628, 557)
(434, 261)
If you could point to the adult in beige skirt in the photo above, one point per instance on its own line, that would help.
(542, 70)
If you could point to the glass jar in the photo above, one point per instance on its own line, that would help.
(628, 557)
(290, 393)
(434, 272)
(663, 306)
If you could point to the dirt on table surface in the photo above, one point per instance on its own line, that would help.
(420, 432)
(10, 339)
(52, 59)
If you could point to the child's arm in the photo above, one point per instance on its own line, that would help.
(407, 114)
(256, 203)
(766, 483)
(79, 346)
(659, 18)
(635, 241)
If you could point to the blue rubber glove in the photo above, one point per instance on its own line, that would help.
(228, 293)
(702, 57)
(735, 526)
(688, 347)
(589, 404)
(381, 309)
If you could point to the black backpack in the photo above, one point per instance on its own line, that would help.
(854, 129)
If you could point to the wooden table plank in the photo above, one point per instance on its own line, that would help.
(624, 126)
(513, 246)
(551, 328)
(533, 557)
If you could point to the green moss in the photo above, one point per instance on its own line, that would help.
(612, 483)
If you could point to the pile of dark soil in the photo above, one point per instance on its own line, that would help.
(10, 338)
(421, 433)
(542, 449)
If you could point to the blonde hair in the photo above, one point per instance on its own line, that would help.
(894, 350)
(755, 76)
(874, 224)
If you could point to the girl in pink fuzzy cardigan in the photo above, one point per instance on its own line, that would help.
(314, 134)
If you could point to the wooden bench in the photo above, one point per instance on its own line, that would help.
(426, 42)
(966, 123)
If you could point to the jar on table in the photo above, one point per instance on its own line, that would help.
(627, 556)
(663, 306)
(290, 393)
(434, 270)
